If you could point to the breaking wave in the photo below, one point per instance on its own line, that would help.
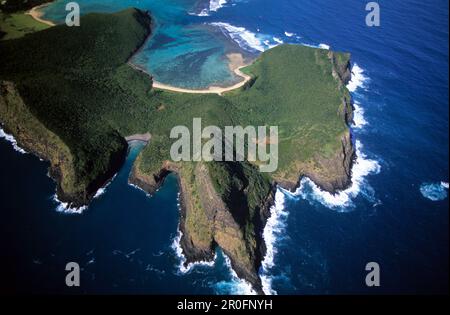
(343, 200)
(214, 6)
(308, 190)
(358, 79)
(12, 140)
(64, 207)
(434, 191)
(102, 190)
(236, 286)
(139, 188)
(246, 39)
(273, 231)
(321, 46)
(362, 167)
(176, 246)
(359, 121)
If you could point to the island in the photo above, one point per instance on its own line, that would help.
(71, 97)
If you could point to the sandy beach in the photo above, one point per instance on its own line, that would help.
(236, 64)
(37, 14)
(145, 137)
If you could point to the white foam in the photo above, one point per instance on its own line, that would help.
(12, 140)
(139, 188)
(236, 286)
(274, 228)
(358, 79)
(204, 12)
(289, 34)
(362, 167)
(434, 191)
(321, 46)
(266, 282)
(343, 200)
(215, 5)
(102, 190)
(247, 40)
(176, 246)
(359, 121)
(244, 38)
(273, 231)
(278, 40)
(64, 207)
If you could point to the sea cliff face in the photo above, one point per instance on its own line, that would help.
(77, 106)
(51, 96)
(211, 218)
(333, 173)
(207, 221)
(36, 138)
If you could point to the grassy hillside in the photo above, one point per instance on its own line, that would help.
(14, 23)
(11, 6)
(73, 80)
(79, 90)
(17, 25)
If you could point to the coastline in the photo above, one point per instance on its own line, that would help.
(244, 268)
(144, 137)
(236, 63)
(37, 14)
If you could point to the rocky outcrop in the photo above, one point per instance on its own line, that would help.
(36, 138)
(206, 221)
(332, 174)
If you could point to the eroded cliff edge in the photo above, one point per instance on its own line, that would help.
(73, 107)
(57, 90)
(232, 214)
(232, 220)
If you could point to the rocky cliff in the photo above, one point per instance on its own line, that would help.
(32, 135)
(207, 221)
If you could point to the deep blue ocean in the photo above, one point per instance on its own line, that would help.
(396, 213)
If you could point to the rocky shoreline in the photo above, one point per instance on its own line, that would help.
(220, 218)
(337, 177)
(207, 221)
(36, 139)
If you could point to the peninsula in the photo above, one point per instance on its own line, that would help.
(64, 101)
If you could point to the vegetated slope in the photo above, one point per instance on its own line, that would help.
(72, 79)
(10, 6)
(79, 90)
(15, 25)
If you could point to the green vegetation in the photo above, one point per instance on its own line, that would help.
(76, 84)
(14, 22)
(11, 6)
(16, 25)
(73, 81)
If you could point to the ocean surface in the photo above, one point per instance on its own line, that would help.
(396, 213)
